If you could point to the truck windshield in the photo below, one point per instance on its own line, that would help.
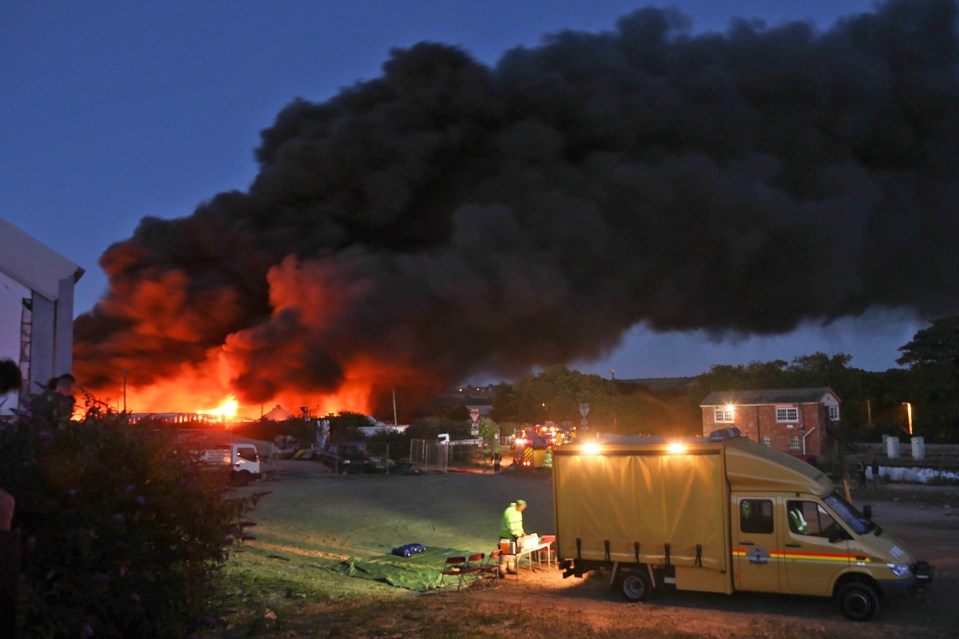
(849, 514)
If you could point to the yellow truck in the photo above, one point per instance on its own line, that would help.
(721, 514)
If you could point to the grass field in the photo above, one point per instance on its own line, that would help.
(288, 582)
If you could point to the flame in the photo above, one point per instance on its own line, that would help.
(226, 410)
(208, 383)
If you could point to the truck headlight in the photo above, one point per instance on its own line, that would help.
(900, 570)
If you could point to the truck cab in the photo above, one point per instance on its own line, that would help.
(241, 460)
(802, 544)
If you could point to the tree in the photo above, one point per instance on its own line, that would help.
(346, 426)
(933, 360)
(933, 354)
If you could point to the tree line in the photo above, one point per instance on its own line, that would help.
(873, 403)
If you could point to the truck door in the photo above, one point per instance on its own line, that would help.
(755, 543)
(816, 548)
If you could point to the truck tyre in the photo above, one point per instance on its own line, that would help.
(241, 478)
(635, 586)
(857, 600)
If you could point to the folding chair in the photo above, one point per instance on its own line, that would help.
(489, 570)
(550, 551)
(474, 566)
(453, 567)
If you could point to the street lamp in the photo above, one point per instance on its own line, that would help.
(908, 406)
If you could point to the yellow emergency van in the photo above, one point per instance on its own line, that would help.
(721, 514)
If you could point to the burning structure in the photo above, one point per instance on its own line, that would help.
(448, 219)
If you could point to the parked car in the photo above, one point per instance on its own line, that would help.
(345, 457)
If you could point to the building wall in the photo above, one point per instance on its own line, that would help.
(51, 336)
(758, 422)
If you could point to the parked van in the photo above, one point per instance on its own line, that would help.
(241, 460)
(722, 514)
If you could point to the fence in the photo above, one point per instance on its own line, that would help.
(429, 456)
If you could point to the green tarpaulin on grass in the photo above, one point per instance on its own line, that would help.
(419, 572)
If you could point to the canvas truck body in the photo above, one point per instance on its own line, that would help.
(715, 516)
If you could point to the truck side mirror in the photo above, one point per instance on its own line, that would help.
(867, 512)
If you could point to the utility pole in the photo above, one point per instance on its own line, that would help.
(395, 422)
(612, 377)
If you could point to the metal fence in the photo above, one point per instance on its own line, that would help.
(429, 456)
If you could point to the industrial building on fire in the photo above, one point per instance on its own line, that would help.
(36, 309)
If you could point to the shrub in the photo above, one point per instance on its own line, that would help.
(120, 532)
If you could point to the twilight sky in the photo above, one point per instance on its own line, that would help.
(113, 111)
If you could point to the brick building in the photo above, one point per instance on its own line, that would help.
(792, 420)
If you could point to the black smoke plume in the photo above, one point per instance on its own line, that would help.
(448, 218)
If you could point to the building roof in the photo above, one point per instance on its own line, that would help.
(32, 263)
(768, 396)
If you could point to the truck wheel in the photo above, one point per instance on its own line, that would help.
(635, 586)
(857, 600)
(241, 478)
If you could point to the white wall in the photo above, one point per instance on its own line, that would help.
(11, 305)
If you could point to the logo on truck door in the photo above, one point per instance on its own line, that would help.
(758, 555)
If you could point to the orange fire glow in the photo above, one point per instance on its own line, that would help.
(196, 388)
(226, 410)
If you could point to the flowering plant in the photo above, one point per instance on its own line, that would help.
(120, 532)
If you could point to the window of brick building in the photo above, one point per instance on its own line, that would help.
(794, 442)
(767, 441)
(724, 415)
(787, 414)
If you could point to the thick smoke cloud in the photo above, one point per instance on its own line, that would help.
(448, 218)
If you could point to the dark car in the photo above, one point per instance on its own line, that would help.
(345, 457)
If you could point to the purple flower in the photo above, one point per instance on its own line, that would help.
(118, 518)
(140, 500)
(30, 544)
(248, 537)
(130, 488)
(134, 597)
(86, 631)
(44, 437)
(71, 492)
(122, 571)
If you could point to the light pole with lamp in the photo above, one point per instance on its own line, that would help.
(908, 406)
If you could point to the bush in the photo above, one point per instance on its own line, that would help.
(120, 532)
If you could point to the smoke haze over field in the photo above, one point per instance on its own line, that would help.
(449, 219)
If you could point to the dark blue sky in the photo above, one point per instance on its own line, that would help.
(113, 111)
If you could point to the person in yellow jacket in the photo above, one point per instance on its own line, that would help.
(511, 528)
